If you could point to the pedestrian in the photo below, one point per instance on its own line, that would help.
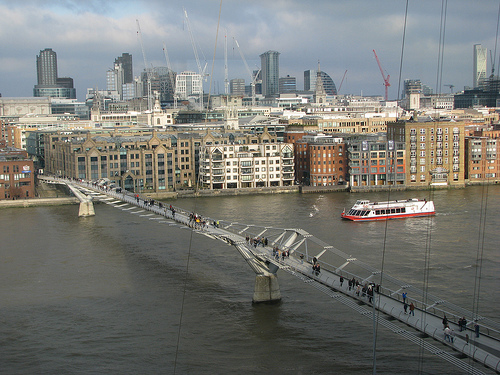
(405, 307)
(447, 334)
(476, 328)
(404, 296)
(341, 281)
(301, 258)
(412, 309)
(445, 322)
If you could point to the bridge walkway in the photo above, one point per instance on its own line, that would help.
(484, 349)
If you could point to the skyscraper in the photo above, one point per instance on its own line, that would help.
(48, 83)
(479, 65)
(46, 67)
(270, 69)
(125, 60)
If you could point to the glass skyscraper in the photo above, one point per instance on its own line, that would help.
(270, 71)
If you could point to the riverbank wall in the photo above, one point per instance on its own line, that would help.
(33, 202)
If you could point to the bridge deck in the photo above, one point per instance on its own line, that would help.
(426, 319)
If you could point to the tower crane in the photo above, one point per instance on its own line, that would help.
(148, 71)
(386, 79)
(253, 77)
(170, 74)
(451, 87)
(195, 50)
(226, 74)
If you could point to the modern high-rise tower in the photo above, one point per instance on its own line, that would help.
(479, 64)
(48, 83)
(125, 60)
(270, 70)
(46, 67)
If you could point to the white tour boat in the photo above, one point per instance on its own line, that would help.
(364, 210)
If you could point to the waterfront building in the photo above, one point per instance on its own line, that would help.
(270, 71)
(320, 160)
(435, 151)
(149, 162)
(482, 158)
(245, 160)
(480, 59)
(17, 178)
(375, 161)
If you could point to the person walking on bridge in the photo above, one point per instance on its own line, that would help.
(412, 309)
(445, 322)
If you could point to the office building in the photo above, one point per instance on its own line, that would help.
(270, 70)
(287, 84)
(237, 86)
(310, 77)
(480, 58)
(146, 162)
(48, 82)
(125, 61)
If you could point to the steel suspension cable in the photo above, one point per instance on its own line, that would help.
(376, 314)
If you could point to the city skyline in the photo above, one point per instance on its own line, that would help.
(341, 35)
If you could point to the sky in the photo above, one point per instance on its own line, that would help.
(339, 34)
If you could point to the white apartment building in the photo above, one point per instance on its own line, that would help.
(230, 166)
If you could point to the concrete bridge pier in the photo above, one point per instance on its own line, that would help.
(266, 289)
(86, 208)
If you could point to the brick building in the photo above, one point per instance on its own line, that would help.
(16, 174)
(435, 152)
(320, 160)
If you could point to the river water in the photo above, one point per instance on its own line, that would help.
(121, 294)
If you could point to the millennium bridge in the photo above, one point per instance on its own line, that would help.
(263, 249)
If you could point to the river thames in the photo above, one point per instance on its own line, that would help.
(121, 294)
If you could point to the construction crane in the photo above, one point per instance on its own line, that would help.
(226, 73)
(253, 77)
(148, 71)
(170, 74)
(341, 82)
(386, 79)
(451, 87)
(195, 50)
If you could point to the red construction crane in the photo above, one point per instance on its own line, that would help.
(386, 79)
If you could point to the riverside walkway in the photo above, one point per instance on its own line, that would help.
(386, 308)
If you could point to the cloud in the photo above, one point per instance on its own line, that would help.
(341, 34)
